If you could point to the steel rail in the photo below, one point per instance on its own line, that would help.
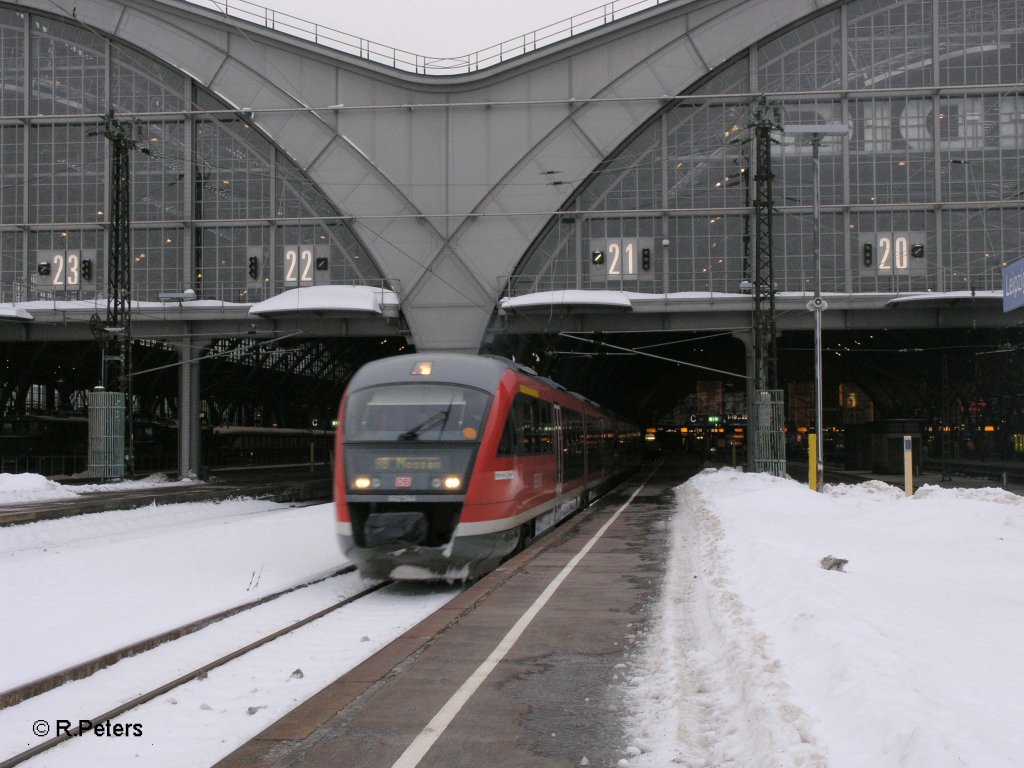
(13, 696)
(187, 677)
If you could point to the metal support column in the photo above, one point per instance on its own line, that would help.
(816, 133)
(189, 459)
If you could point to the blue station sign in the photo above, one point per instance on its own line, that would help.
(1013, 285)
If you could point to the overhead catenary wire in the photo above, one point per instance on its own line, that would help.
(641, 353)
(213, 355)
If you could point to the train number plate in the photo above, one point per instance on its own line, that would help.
(403, 481)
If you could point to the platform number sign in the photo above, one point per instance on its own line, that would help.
(893, 253)
(622, 260)
(66, 270)
(305, 265)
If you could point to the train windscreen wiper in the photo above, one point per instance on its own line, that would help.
(439, 418)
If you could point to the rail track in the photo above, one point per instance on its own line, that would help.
(82, 670)
(1005, 473)
(285, 484)
(952, 474)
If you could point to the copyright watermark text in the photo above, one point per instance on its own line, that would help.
(61, 728)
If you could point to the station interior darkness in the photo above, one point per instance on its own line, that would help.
(968, 380)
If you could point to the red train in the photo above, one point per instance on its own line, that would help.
(446, 464)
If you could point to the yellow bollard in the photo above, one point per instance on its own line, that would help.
(812, 461)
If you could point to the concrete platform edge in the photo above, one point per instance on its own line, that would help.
(268, 746)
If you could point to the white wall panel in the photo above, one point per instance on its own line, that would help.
(198, 52)
(719, 38)
(608, 123)
(301, 134)
(675, 63)
(495, 242)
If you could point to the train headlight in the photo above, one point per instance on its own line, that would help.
(452, 483)
(361, 483)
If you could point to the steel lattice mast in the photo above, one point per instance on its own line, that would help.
(117, 361)
(764, 121)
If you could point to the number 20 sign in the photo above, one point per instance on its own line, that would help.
(895, 253)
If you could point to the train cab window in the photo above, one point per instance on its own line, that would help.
(416, 412)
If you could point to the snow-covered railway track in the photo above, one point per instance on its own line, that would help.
(200, 671)
(84, 669)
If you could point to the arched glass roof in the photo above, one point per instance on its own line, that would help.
(924, 194)
(215, 206)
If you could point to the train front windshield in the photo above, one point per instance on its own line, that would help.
(415, 413)
(412, 438)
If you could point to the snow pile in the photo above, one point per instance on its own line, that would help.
(713, 695)
(29, 487)
(22, 487)
(909, 657)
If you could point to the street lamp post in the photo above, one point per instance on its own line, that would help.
(817, 305)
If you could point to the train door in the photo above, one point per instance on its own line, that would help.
(556, 444)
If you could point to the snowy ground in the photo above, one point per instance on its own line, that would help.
(758, 657)
(30, 487)
(74, 588)
(87, 585)
(909, 657)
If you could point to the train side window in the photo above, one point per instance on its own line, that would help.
(573, 444)
(543, 426)
(511, 435)
(527, 415)
(536, 426)
(528, 427)
(526, 420)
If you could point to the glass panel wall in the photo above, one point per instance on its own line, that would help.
(68, 66)
(924, 194)
(209, 193)
(12, 62)
(12, 288)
